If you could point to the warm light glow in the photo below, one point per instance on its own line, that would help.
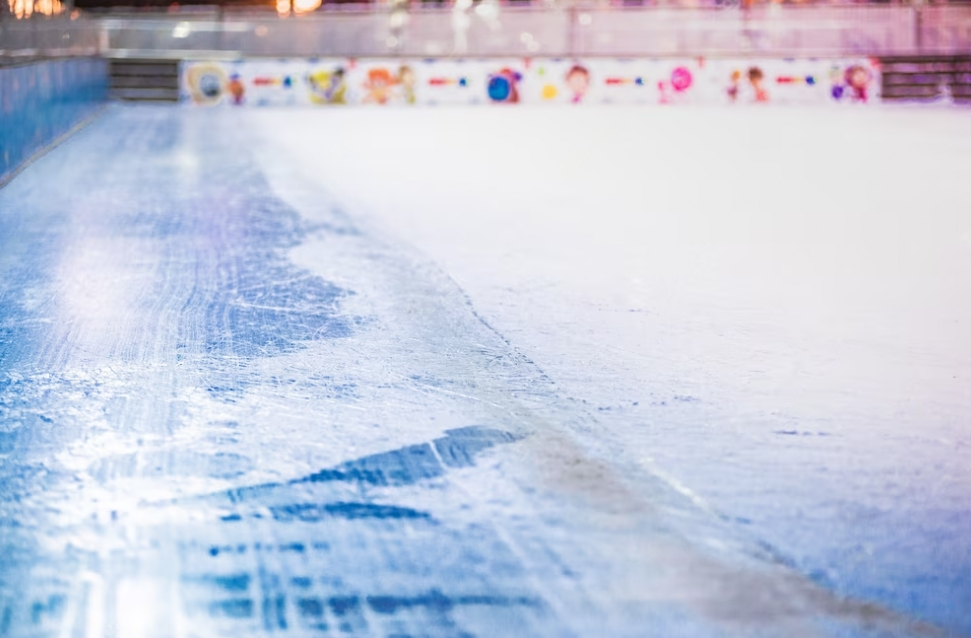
(304, 6)
(47, 7)
(26, 8)
(22, 8)
(283, 7)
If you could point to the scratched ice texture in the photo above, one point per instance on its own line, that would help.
(265, 373)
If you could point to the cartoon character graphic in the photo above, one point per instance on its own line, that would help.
(378, 86)
(502, 86)
(406, 80)
(236, 89)
(578, 81)
(328, 87)
(207, 83)
(853, 83)
(757, 79)
(733, 86)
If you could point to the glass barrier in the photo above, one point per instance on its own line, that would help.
(494, 28)
(48, 37)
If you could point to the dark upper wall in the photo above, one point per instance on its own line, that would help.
(164, 4)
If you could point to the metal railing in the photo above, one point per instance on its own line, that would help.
(772, 30)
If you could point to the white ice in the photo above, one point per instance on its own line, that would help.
(694, 372)
(770, 309)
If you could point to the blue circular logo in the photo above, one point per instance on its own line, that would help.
(210, 85)
(499, 88)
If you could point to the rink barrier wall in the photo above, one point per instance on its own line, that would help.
(597, 80)
(42, 101)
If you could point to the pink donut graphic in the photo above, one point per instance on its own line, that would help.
(681, 79)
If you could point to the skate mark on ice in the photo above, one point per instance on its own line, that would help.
(304, 604)
(313, 513)
(404, 466)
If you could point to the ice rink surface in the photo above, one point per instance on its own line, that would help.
(489, 372)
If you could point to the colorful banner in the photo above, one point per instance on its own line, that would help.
(413, 81)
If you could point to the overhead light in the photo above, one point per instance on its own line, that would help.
(305, 6)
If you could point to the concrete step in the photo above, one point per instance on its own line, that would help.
(150, 70)
(142, 81)
(916, 79)
(912, 92)
(144, 94)
(937, 66)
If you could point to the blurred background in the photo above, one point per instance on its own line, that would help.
(509, 27)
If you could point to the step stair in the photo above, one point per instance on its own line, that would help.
(926, 78)
(144, 80)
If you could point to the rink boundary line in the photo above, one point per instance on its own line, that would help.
(50, 146)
